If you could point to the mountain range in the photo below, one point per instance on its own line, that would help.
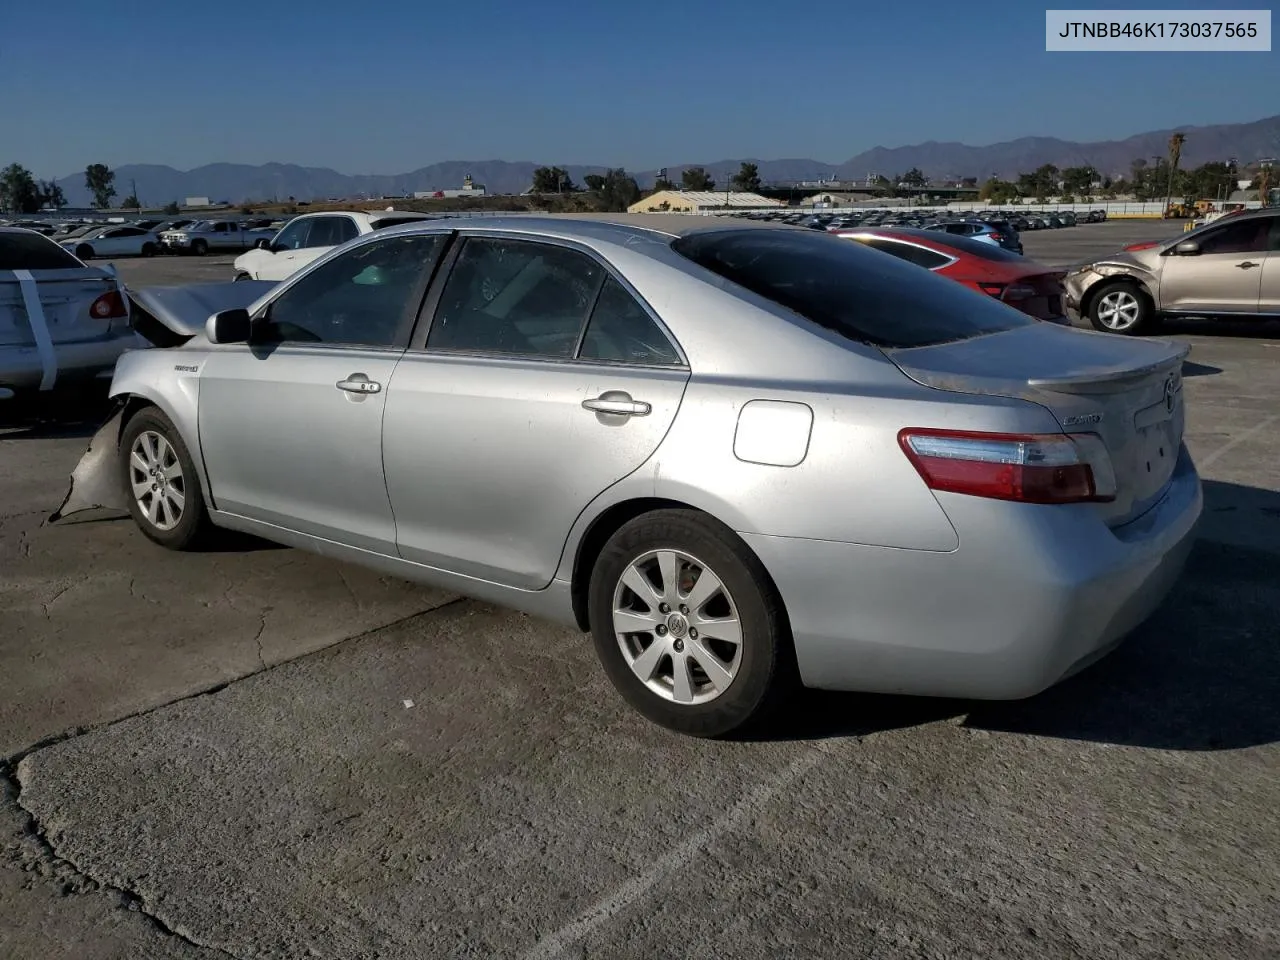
(231, 182)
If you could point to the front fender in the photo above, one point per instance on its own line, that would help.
(96, 480)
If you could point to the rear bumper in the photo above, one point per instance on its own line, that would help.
(21, 369)
(1031, 595)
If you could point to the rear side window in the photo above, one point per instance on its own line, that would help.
(32, 251)
(845, 288)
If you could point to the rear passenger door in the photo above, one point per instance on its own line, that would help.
(539, 381)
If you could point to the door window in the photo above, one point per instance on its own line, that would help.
(293, 236)
(621, 331)
(1244, 236)
(366, 296)
(515, 297)
(331, 231)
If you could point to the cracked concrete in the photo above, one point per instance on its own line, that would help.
(212, 756)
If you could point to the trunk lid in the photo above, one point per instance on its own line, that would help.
(65, 297)
(1128, 392)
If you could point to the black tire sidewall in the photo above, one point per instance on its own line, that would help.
(199, 248)
(84, 252)
(765, 643)
(1144, 303)
(189, 529)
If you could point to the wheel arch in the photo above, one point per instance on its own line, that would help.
(612, 519)
(135, 397)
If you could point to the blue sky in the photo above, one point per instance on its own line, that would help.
(389, 86)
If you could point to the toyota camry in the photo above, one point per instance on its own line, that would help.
(744, 457)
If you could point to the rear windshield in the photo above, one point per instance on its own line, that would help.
(858, 292)
(31, 251)
(974, 248)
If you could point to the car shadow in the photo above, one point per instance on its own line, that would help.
(1192, 369)
(69, 412)
(1241, 329)
(1202, 674)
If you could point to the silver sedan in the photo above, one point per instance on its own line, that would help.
(745, 457)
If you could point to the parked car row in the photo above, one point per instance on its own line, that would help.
(148, 237)
(1015, 220)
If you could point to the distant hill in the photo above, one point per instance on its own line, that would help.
(234, 182)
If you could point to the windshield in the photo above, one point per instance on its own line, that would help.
(199, 225)
(31, 251)
(857, 292)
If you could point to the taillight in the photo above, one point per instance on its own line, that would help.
(1040, 468)
(1142, 246)
(1019, 291)
(992, 289)
(109, 306)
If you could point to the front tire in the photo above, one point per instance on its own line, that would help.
(84, 252)
(1122, 307)
(688, 625)
(148, 249)
(161, 483)
(200, 248)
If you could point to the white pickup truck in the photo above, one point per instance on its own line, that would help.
(204, 235)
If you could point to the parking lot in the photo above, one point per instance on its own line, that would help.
(256, 752)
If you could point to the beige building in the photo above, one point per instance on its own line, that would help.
(696, 201)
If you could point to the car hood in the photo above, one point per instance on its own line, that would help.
(183, 311)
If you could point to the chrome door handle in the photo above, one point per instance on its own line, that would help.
(617, 402)
(359, 383)
(1247, 264)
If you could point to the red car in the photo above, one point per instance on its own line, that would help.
(1031, 287)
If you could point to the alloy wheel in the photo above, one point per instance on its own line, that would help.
(155, 475)
(677, 626)
(1119, 310)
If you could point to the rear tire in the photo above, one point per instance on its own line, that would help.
(1121, 306)
(733, 675)
(148, 249)
(160, 482)
(84, 252)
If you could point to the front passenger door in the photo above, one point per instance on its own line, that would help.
(1224, 277)
(291, 423)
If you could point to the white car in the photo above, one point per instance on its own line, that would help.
(307, 237)
(113, 241)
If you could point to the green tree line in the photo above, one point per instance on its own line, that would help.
(21, 192)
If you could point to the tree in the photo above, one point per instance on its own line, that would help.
(662, 183)
(615, 190)
(552, 180)
(1175, 154)
(696, 178)
(98, 178)
(747, 179)
(172, 208)
(131, 202)
(1080, 180)
(913, 178)
(51, 195)
(997, 191)
(18, 190)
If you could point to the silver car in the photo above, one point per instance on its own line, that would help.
(744, 456)
(61, 320)
(1226, 269)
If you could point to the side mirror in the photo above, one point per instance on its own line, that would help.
(228, 326)
(1187, 248)
(264, 244)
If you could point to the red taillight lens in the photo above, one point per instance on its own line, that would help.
(1048, 468)
(109, 306)
(994, 289)
(1142, 246)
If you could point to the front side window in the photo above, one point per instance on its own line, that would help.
(515, 297)
(292, 237)
(852, 291)
(1244, 236)
(367, 296)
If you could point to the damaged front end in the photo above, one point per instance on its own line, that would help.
(168, 318)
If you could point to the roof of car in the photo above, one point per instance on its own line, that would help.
(616, 225)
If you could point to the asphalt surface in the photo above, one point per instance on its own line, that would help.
(261, 753)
